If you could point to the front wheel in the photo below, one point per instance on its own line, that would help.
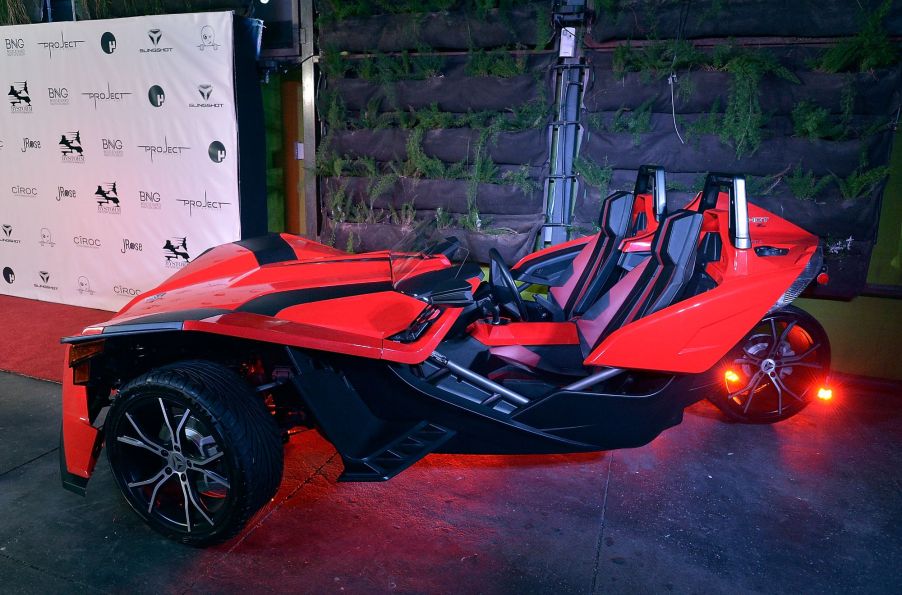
(776, 370)
(193, 450)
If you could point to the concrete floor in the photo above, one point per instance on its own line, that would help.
(812, 505)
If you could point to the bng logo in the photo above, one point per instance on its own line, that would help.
(108, 43)
(19, 98)
(62, 44)
(15, 46)
(58, 95)
(108, 199)
(70, 147)
(175, 252)
(156, 96)
(150, 200)
(112, 147)
(155, 35)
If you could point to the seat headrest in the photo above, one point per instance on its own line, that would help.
(616, 214)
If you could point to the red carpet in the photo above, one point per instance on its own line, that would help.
(31, 332)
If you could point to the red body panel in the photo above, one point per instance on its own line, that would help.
(81, 440)
(524, 333)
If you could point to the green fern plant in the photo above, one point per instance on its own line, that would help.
(804, 185)
(871, 48)
(861, 181)
(594, 174)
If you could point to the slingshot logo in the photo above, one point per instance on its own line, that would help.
(9, 275)
(108, 43)
(108, 199)
(6, 235)
(58, 95)
(46, 238)
(19, 98)
(70, 147)
(175, 252)
(45, 282)
(207, 39)
(83, 286)
(63, 192)
(62, 44)
(150, 200)
(15, 46)
(164, 149)
(112, 147)
(205, 204)
(205, 90)
(155, 35)
(217, 152)
(156, 96)
(108, 96)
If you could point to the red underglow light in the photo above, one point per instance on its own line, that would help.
(823, 279)
(731, 376)
(825, 394)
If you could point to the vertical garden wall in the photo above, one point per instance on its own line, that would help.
(802, 98)
(434, 115)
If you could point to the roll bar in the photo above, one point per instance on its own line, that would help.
(734, 185)
(651, 180)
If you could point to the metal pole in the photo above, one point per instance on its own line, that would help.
(594, 379)
(478, 380)
(309, 207)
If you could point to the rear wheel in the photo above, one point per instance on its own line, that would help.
(776, 370)
(193, 450)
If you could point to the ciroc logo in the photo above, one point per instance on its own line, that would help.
(123, 290)
(19, 98)
(86, 242)
(149, 200)
(108, 43)
(175, 252)
(108, 199)
(24, 191)
(217, 152)
(70, 147)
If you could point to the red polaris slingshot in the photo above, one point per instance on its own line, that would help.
(596, 344)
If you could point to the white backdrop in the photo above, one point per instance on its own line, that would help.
(118, 154)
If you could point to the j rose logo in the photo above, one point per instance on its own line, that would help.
(62, 44)
(19, 98)
(15, 46)
(155, 35)
(130, 246)
(205, 204)
(63, 192)
(70, 147)
(163, 150)
(149, 200)
(205, 90)
(108, 96)
(108, 199)
(175, 252)
(30, 145)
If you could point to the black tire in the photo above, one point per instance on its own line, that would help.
(780, 364)
(193, 450)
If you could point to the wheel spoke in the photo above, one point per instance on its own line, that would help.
(206, 461)
(798, 358)
(159, 474)
(215, 477)
(817, 365)
(187, 506)
(776, 383)
(145, 442)
(177, 439)
(773, 333)
(186, 487)
(755, 360)
(786, 332)
(754, 377)
(153, 495)
(172, 436)
(786, 389)
(757, 383)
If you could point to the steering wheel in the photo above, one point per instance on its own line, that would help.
(504, 289)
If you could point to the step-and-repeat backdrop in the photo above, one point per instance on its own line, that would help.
(118, 154)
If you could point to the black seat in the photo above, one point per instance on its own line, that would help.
(594, 264)
(649, 287)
